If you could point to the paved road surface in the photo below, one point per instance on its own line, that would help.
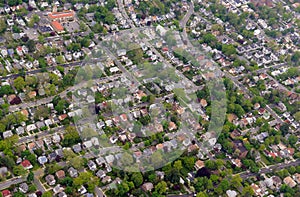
(10, 76)
(276, 167)
(46, 100)
(12, 181)
(124, 13)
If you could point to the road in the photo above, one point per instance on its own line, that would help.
(43, 134)
(36, 180)
(124, 13)
(187, 16)
(275, 66)
(13, 108)
(11, 76)
(99, 192)
(272, 168)
(12, 181)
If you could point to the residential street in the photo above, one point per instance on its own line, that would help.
(272, 168)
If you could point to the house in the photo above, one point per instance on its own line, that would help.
(92, 165)
(40, 124)
(82, 190)
(77, 148)
(269, 182)
(203, 102)
(87, 144)
(64, 16)
(3, 171)
(20, 130)
(73, 172)
(42, 160)
(231, 193)
(277, 181)
(6, 193)
(57, 26)
(257, 190)
(40, 143)
(161, 30)
(50, 179)
(100, 161)
(199, 164)
(60, 174)
(26, 164)
(238, 145)
(147, 186)
(23, 188)
(7, 134)
(109, 159)
(106, 179)
(172, 126)
(56, 138)
(62, 194)
(289, 181)
(297, 177)
(52, 156)
(101, 174)
(256, 106)
(57, 189)
(31, 127)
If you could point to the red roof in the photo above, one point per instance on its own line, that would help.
(5, 193)
(26, 163)
(64, 14)
(57, 26)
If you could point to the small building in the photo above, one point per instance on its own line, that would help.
(60, 174)
(26, 164)
(50, 179)
(147, 186)
(289, 181)
(73, 172)
(57, 26)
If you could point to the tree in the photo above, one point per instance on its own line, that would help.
(30, 177)
(41, 112)
(161, 187)
(210, 39)
(61, 105)
(177, 165)
(71, 137)
(34, 19)
(47, 194)
(18, 194)
(2, 26)
(60, 59)
(247, 191)
(19, 170)
(296, 57)
(292, 139)
(202, 194)
(173, 176)
(83, 178)
(7, 161)
(19, 83)
(31, 45)
(52, 168)
(5, 90)
(297, 116)
(228, 49)
(122, 188)
(189, 162)
(210, 164)
(137, 179)
(68, 181)
(284, 128)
